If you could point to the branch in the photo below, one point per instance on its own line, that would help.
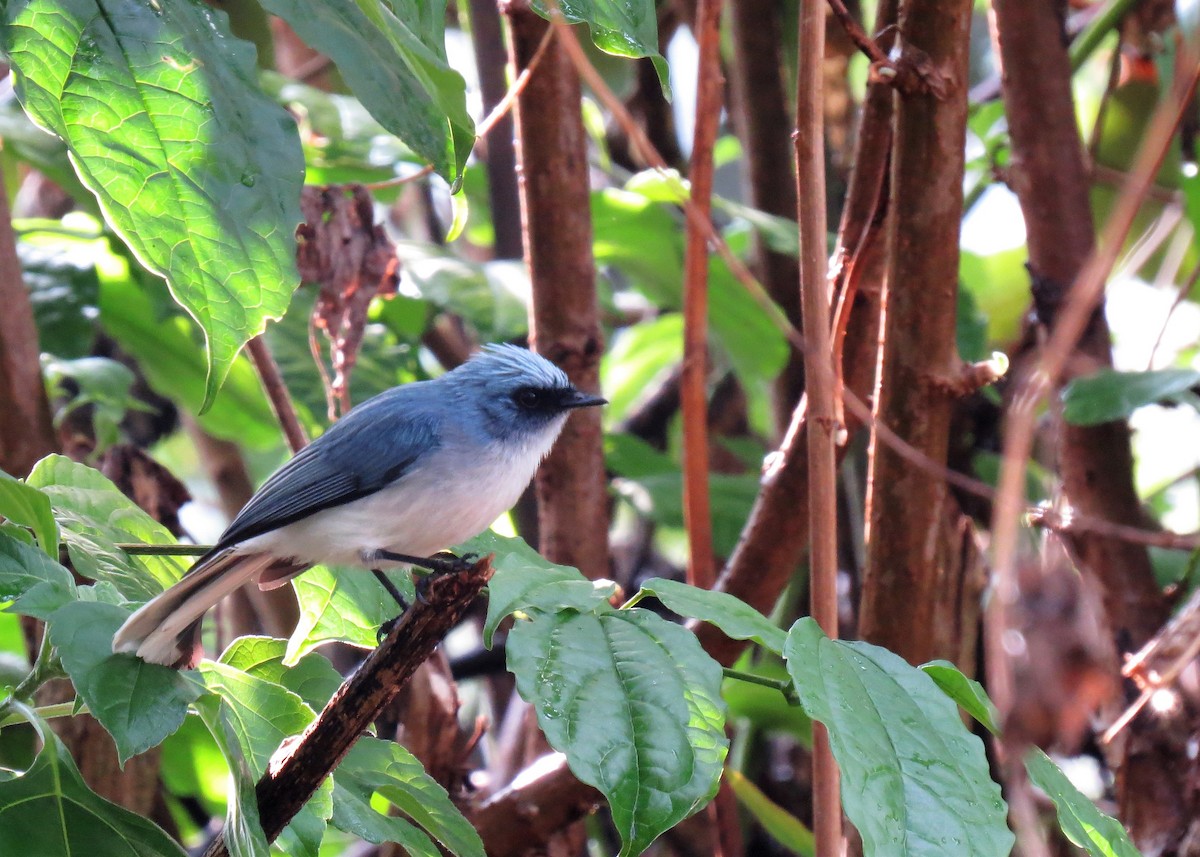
(693, 389)
(296, 772)
(906, 562)
(277, 393)
(541, 801)
(823, 428)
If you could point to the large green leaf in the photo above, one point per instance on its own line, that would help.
(259, 714)
(384, 767)
(139, 704)
(95, 517)
(346, 604)
(734, 617)
(967, 692)
(313, 678)
(915, 782)
(525, 580)
(1110, 395)
(22, 503)
(393, 56)
(640, 356)
(243, 831)
(50, 810)
(36, 584)
(1093, 831)
(634, 703)
(627, 28)
(193, 166)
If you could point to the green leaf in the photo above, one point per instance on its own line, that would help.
(346, 604)
(914, 780)
(243, 831)
(626, 28)
(313, 678)
(95, 517)
(634, 703)
(640, 356)
(100, 382)
(1093, 831)
(175, 366)
(384, 767)
(195, 168)
(394, 60)
(491, 296)
(50, 810)
(967, 692)
(660, 497)
(524, 580)
(259, 715)
(262, 714)
(63, 289)
(783, 827)
(22, 503)
(734, 617)
(139, 704)
(1110, 395)
(36, 584)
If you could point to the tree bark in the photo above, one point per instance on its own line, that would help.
(564, 318)
(1050, 178)
(26, 433)
(909, 602)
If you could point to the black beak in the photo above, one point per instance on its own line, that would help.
(579, 399)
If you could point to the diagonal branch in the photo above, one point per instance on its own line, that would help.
(296, 774)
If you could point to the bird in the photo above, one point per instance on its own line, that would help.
(406, 474)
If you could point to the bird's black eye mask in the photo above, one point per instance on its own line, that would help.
(551, 400)
(542, 399)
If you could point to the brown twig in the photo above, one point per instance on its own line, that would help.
(277, 393)
(294, 775)
(859, 36)
(400, 180)
(518, 86)
(823, 428)
(693, 389)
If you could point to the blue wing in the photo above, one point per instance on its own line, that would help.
(369, 448)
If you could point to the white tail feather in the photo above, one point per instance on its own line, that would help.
(162, 631)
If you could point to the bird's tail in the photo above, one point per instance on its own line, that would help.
(166, 630)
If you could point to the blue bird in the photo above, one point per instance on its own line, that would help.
(402, 476)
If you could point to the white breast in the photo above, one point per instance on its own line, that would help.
(451, 497)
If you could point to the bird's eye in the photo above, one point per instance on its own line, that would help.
(528, 398)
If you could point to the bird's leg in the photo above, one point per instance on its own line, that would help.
(436, 565)
(447, 564)
(386, 627)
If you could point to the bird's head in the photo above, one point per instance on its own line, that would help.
(518, 393)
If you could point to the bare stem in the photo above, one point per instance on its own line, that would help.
(277, 393)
